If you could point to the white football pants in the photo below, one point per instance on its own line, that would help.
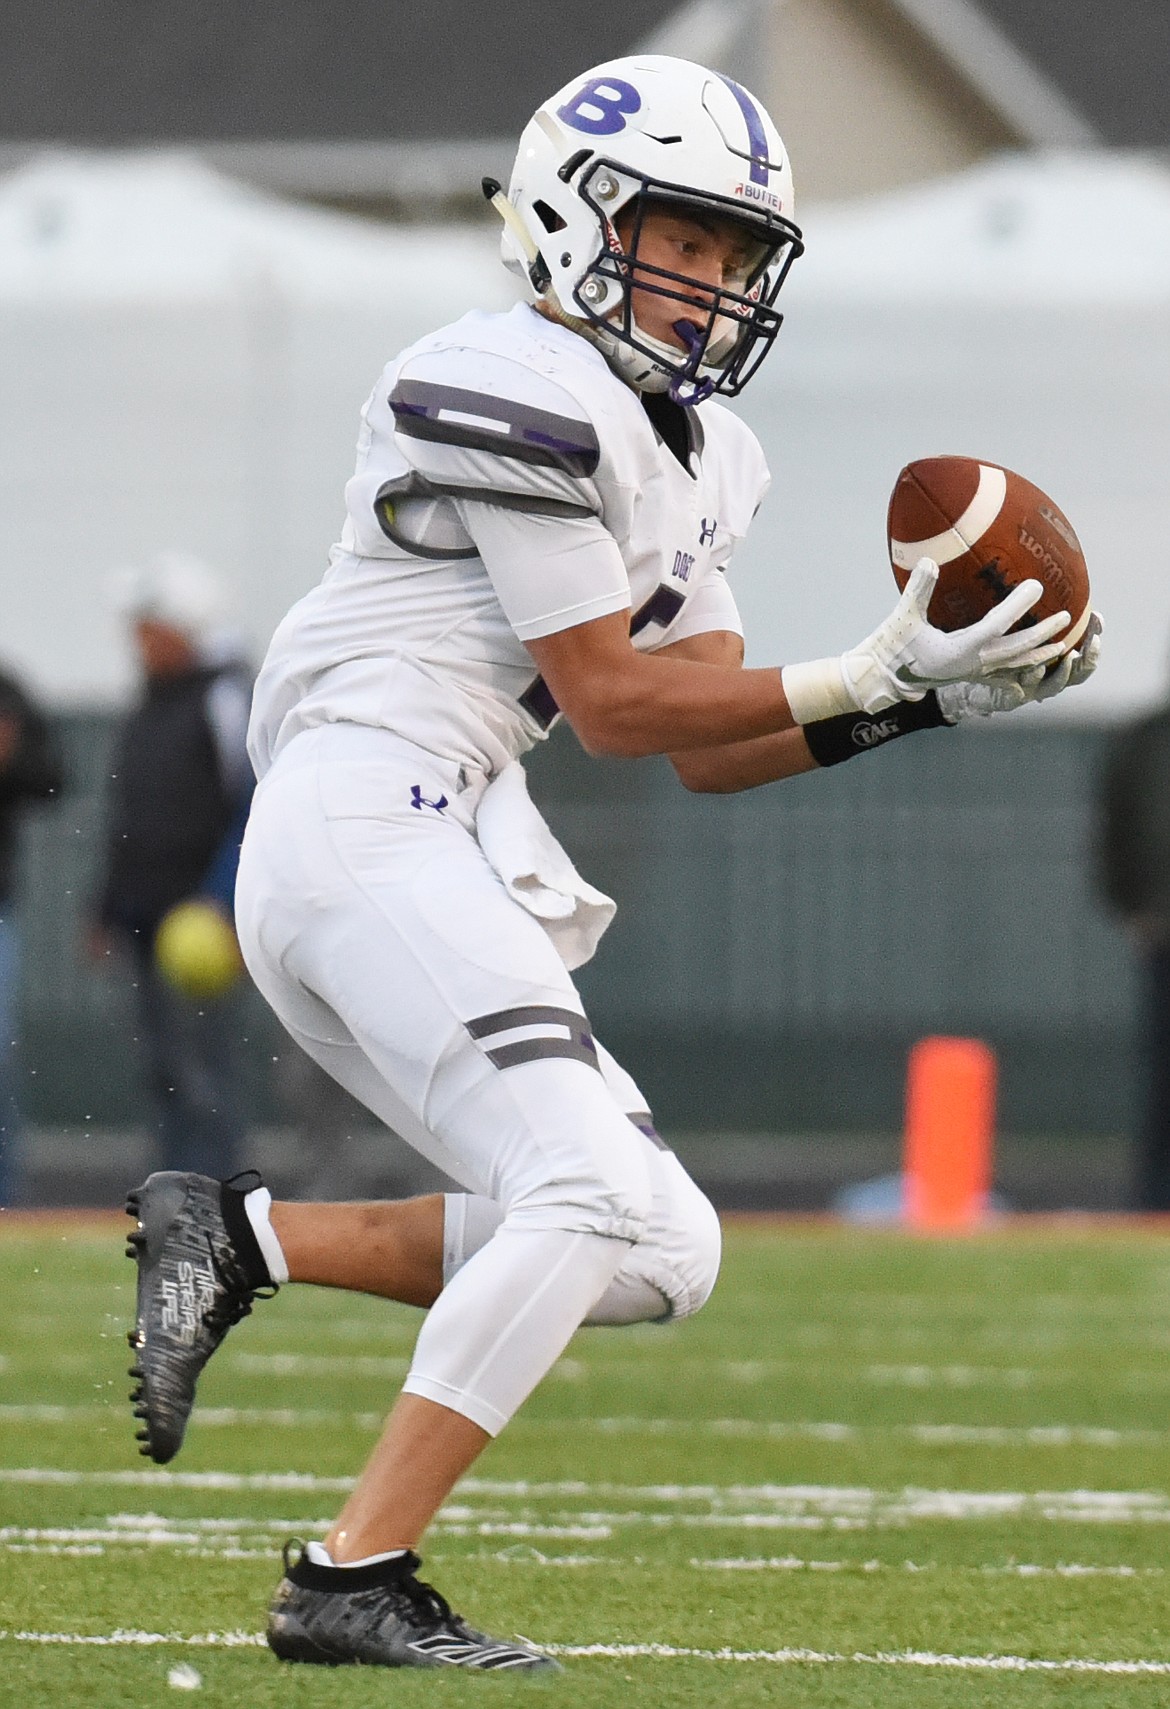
(390, 950)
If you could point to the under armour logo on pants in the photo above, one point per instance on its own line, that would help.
(419, 800)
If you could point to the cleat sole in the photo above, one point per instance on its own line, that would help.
(301, 1648)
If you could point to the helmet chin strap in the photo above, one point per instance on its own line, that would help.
(538, 273)
(638, 370)
(550, 305)
(637, 367)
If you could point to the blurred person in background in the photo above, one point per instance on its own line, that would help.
(30, 771)
(333, 1134)
(1134, 871)
(180, 787)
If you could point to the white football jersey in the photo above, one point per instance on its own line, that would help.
(508, 486)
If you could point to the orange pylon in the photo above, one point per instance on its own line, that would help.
(950, 1126)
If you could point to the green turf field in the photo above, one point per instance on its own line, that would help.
(873, 1471)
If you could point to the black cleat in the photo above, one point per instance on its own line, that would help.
(382, 1616)
(192, 1287)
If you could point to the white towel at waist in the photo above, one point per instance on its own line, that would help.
(536, 871)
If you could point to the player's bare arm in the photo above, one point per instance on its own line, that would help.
(734, 766)
(627, 704)
(592, 673)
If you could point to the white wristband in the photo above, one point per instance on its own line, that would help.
(817, 690)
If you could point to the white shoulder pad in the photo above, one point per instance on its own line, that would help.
(478, 423)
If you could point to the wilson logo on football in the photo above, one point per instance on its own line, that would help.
(1053, 567)
(1055, 520)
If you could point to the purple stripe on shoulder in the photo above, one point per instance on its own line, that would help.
(573, 447)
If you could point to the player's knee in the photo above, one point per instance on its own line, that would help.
(669, 1274)
(692, 1252)
(609, 1195)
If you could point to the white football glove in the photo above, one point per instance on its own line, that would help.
(906, 655)
(1022, 687)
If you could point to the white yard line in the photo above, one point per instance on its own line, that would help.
(892, 1658)
(1033, 1436)
(824, 1494)
(746, 1429)
(1018, 1569)
(828, 1430)
(256, 1539)
(210, 1417)
(130, 1638)
(319, 1364)
(357, 1365)
(742, 1372)
(655, 1652)
(728, 1506)
(54, 1476)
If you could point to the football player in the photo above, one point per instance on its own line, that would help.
(544, 506)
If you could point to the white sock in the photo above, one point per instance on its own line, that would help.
(258, 1203)
(319, 1555)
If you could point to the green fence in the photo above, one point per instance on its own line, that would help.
(774, 954)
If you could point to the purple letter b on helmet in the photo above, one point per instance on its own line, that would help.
(600, 106)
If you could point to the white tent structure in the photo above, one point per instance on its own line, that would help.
(1018, 312)
(182, 362)
(182, 365)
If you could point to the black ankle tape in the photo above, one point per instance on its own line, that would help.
(308, 1575)
(240, 1231)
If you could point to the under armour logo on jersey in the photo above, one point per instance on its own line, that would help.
(419, 800)
(707, 531)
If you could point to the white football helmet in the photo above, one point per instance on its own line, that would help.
(636, 133)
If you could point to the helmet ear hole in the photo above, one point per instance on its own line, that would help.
(548, 216)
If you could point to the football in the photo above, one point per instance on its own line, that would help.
(987, 529)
